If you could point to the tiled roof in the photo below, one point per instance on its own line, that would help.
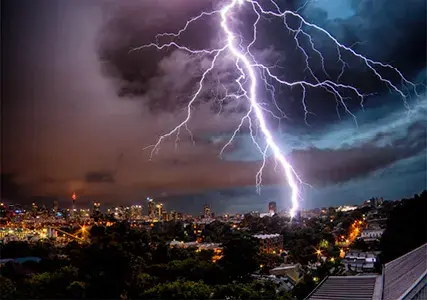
(402, 273)
(345, 288)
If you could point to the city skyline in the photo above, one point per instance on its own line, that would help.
(151, 207)
(89, 136)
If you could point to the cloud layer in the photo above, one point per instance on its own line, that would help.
(82, 109)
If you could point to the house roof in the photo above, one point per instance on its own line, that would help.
(401, 274)
(266, 236)
(345, 288)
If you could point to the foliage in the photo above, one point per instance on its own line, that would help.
(406, 228)
(15, 249)
(240, 255)
(251, 290)
(265, 225)
(180, 290)
(304, 287)
(49, 285)
(269, 261)
(77, 290)
(216, 231)
(7, 288)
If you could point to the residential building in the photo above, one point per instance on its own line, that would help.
(293, 271)
(270, 243)
(404, 278)
(360, 262)
(347, 287)
(346, 208)
(371, 234)
(216, 247)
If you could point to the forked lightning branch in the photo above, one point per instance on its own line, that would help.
(253, 76)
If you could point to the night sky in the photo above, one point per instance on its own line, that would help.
(78, 108)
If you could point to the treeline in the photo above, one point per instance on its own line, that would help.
(121, 261)
(406, 228)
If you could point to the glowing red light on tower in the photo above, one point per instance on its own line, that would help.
(74, 197)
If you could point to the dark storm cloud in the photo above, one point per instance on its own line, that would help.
(100, 176)
(398, 26)
(162, 79)
(334, 166)
(78, 100)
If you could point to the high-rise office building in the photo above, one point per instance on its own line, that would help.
(3, 210)
(34, 209)
(84, 213)
(151, 208)
(159, 210)
(73, 209)
(96, 209)
(136, 212)
(55, 207)
(207, 211)
(173, 216)
(272, 208)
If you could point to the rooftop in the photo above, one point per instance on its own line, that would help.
(266, 236)
(345, 287)
(401, 274)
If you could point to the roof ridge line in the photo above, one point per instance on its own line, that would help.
(400, 257)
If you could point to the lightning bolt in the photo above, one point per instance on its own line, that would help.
(254, 75)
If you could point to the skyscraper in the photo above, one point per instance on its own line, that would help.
(55, 207)
(159, 210)
(272, 208)
(173, 215)
(136, 212)
(207, 211)
(3, 210)
(34, 209)
(96, 209)
(73, 209)
(151, 208)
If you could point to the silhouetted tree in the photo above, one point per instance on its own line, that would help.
(240, 255)
(7, 288)
(180, 290)
(406, 228)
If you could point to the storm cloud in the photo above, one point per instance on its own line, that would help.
(100, 176)
(79, 109)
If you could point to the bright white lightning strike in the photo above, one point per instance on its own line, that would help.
(248, 68)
